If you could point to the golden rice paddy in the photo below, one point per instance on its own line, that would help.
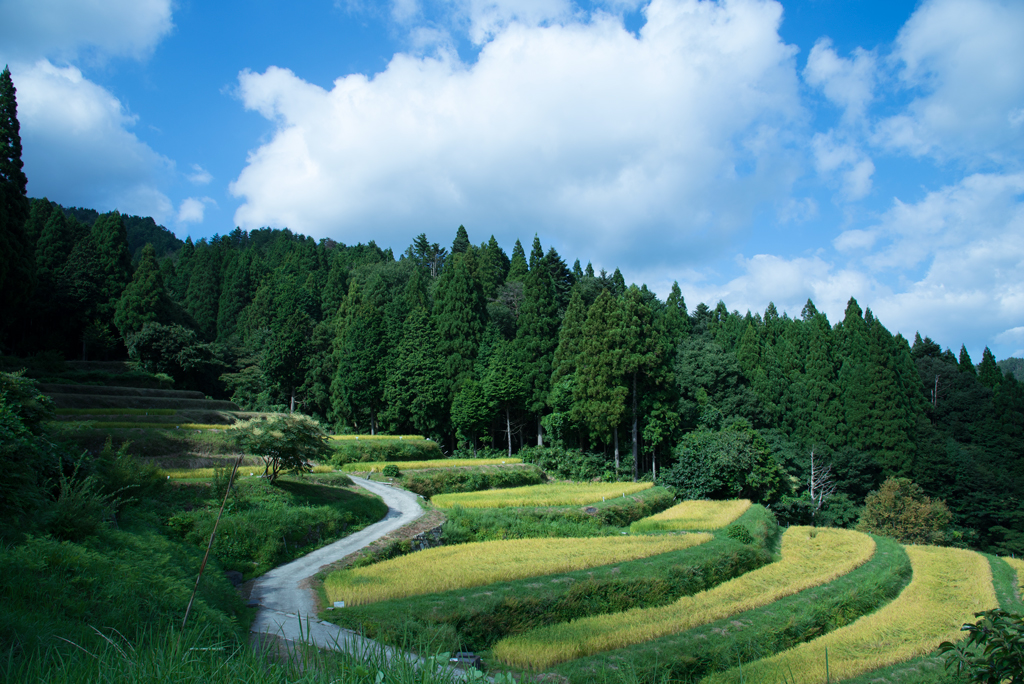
(948, 587)
(563, 494)
(693, 515)
(810, 557)
(375, 437)
(471, 565)
(378, 466)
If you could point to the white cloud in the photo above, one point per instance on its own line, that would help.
(612, 141)
(845, 161)
(78, 149)
(847, 83)
(963, 59)
(193, 208)
(199, 175)
(853, 239)
(63, 29)
(486, 18)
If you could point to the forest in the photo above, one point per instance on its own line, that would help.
(483, 351)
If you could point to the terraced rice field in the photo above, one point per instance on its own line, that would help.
(566, 494)
(1018, 566)
(243, 471)
(378, 466)
(463, 566)
(342, 438)
(948, 587)
(810, 558)
(693, 515)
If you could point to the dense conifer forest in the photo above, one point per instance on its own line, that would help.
(482, 350)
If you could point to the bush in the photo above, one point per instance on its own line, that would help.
(379, 450)
(450, 481)
(899, 509)
(284, 442)
(571, 464)
(994, 650)
(739, 533)
(391, 470)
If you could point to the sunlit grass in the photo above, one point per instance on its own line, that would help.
(562, 494)
(158, 426)
(376, 437)
(693, 515)
(810, 557)
(114, 412)
(471, 565)
(948, 587)
(243, 471)
(378, 466)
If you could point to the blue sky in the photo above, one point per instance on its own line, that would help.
(751, 150)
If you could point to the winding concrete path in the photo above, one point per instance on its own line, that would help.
(287, 607)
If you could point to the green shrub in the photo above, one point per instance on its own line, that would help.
(391, 470)
(378, 450)
(450, 480)
(739, 533)
(286, 443)
(899, 509)
(571, 464)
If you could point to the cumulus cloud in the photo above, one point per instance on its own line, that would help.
(844, 162)
(78, 146)
(610, 140)
(966, 239)
(63, 29)
(847, 83)
(192, 209)
(962, 60)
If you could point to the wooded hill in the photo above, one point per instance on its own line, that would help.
(472, 347)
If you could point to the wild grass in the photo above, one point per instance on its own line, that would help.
(471, 565)
(561, 494)
(378, 466)
(1018, 567)
(948, 587)
(196, 656)
(810, 557)
(693, 515)
(114, 412)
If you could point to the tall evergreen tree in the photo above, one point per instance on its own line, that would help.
(461, 243)
(415, 387)
(676, 319)
(503, 384)
(360, 355)
(493, 268)
(202, 297)
(536, 339)
(600, 396)
(471, 411)
(110, 239)
(988, 371)
(966, 365)
(570, 338)
(16, 258)
(536, 253)
(517, 268)
(459, 316)
(577, 272)
(643, 358)
(145, 299)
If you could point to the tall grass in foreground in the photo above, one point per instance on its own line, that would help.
(947, 588)
(562, 494)
(196, 659)
(693, 515)
(378, 466)
(471, 565)
(810, 557)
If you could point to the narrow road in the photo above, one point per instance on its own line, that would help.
(288, 609)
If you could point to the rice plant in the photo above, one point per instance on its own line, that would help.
(378, 466)
(810, 558)
(375, 437)
(947, 588)
(243, 471)
(693, 515)
(562, 494)
(475, 564)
